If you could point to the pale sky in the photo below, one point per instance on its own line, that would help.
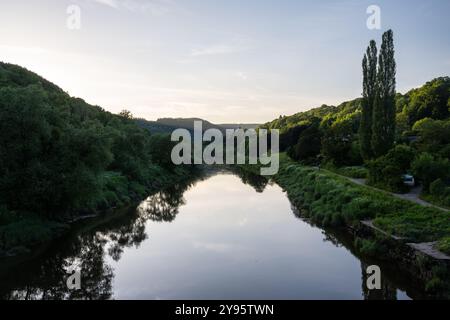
(221, 60)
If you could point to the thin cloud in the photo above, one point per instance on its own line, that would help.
(214, 50)
(242, 75)
(154, 7)
(110, 3)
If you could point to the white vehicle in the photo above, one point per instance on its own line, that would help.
(409, 180)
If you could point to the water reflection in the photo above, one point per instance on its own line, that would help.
(97, 249)
(161, 207)
(44, 278)
(258, 182)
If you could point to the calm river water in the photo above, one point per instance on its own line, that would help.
(224, 237)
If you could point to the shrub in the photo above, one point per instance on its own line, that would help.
(386, 172)
(356, 172)
(437, 188)
(444, 245)
(428, 168)
(28, 232)
(333, 200)
(369, 247)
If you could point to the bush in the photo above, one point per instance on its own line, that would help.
(444, 245)
(437, 188)
(427, 169)
(368, 247)
(386, 172)
(28, 232)
(333, 200)
(356, 172)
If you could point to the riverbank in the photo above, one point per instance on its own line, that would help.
(333, 201)
(23, 234)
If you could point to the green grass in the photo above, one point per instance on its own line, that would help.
(440, 201)
(444, 245)
(351, 172)
(332, 200)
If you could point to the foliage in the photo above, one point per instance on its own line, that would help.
(369, 93)
(309, 144)
(434, 136)
(30, 231)
(427, 168)
(429, 101)
(337, 143)
(444, 245)
(356, 172)
(384, 109)
(61, 157)
(369, 247)
(426, 135)
(332, 200)
(386, 172)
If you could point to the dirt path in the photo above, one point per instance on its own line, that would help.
(413, 195)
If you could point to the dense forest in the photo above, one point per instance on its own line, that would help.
(61, 158)
(331, 136)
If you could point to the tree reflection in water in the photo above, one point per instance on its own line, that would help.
(45, 278)
(160, 207)
(258, 182)
(341, 238)
(88, 248)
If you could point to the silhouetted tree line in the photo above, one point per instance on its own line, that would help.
(60, 156)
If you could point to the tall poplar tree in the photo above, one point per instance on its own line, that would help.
(383, 126)
(369, 66)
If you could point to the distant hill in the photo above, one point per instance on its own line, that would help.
(154, 126)
(432, 100)
(186, 123)
(239, 125)
(167, 125)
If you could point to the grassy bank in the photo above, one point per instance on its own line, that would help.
(356, 172)
(333, 201)
(443, 202)
(20, 233)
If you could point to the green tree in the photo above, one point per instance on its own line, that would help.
(126, 114)
(160, 149)
(386, 171)
(384, 110)
(430, 101)
(309, 144)
(428, 169)
(337, 142)
(369, 66)
(434, 136)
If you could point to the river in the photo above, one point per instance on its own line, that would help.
(223, 237)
